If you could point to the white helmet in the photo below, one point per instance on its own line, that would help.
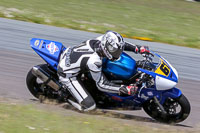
(112, 45)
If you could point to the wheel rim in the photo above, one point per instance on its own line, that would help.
(173, 108)
(38, 85)
(42, 89)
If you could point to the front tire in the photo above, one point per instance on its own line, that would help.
(177, 110)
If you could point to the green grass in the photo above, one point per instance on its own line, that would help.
(171, 21)
(17, 118)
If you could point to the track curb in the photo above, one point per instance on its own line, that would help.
(137, 37)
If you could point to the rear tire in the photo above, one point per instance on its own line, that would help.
(39, 89)
(170, 107)
(31, 85)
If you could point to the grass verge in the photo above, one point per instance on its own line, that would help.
(18, 118)
(170, 21)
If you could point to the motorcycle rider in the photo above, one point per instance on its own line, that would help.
(88, 57)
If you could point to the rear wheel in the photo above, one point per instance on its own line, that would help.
(37, 87)
(177, 110)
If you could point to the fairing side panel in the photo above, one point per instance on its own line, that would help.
(145, 95)
(50, 51)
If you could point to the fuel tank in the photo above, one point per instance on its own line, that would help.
(122, 69)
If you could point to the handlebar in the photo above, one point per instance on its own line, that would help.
(148, 56)
(147, 62)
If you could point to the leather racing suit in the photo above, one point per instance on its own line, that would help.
(86, 57)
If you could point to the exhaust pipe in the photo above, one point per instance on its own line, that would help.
(45, 77)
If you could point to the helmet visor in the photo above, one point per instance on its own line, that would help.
(111, 48)
(115, 52)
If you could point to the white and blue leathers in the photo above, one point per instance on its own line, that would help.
(86, 57)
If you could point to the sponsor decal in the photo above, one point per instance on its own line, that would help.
(144, 97)
(41, 44)
(37, 43)
(52, 48)
(149, 93)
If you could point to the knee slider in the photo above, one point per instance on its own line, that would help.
(88, 104)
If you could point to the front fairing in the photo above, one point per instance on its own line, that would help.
(161, 69)
(165, 75)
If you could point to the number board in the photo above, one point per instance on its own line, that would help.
(163, 69)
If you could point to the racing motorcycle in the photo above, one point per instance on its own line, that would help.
(154, 75)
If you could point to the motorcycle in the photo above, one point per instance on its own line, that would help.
(156, 80)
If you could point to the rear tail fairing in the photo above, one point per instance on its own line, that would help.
(50, 51)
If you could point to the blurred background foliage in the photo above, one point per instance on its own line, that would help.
(170, 21)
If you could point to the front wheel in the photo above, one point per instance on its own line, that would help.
(177, 110)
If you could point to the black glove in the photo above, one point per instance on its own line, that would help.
(128, 90)
(144, 50)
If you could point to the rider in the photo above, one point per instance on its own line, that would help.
(88, 57)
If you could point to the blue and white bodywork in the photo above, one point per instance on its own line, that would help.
(157, 93)
(165, 76)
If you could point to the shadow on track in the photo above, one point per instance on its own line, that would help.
(108, 113)
(112, 114)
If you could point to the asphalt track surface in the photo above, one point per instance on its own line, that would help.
(16, 59)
